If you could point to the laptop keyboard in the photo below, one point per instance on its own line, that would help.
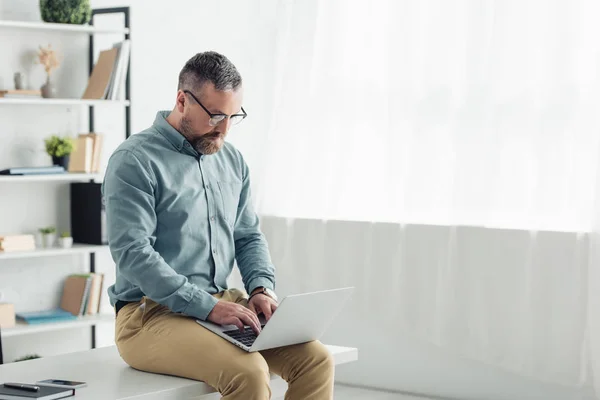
(247, 337)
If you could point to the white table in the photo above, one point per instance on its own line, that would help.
(109, 378)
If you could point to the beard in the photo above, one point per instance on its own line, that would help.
(206, 143)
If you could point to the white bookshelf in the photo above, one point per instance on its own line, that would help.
(37, 101)
(23, 329)
(38, 105)
(64, 177)
(52, 252)
(45, 26)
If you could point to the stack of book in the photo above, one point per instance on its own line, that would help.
(17, 243)
(21, 94)
(87, 154)
(80, 296)
(107, 80)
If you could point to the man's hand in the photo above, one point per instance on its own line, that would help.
(261, 303)
(227, 313)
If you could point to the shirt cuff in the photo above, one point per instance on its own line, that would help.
(200, 305)
(260, 282)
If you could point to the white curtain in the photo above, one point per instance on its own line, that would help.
(479, 118)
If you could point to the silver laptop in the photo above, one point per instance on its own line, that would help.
(299, 318)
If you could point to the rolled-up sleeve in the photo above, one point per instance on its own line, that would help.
(128, 191)
(251, 248)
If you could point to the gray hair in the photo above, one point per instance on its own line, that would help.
(212, 67)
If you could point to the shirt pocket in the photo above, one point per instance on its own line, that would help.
(230, 198)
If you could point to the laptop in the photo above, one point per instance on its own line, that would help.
(299, 318)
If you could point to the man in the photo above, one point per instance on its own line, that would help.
(179, 213)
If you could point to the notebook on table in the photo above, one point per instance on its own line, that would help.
(45, 393)
(33, 170)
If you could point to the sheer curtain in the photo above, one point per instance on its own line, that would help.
(478, 118)
(464, 112)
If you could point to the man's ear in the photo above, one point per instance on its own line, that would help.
(180, 101)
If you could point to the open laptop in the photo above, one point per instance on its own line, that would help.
(299, 318)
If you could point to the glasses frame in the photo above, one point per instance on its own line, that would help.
(220, 117)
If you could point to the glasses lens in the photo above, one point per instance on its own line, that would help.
(236, 119)
(214, 121)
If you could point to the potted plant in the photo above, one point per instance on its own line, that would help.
(59, 148)
(48, 236)
(28, 357)
(47, 57)
(65, 241)
(66, 11)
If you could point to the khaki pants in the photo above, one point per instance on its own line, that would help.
(152, 338)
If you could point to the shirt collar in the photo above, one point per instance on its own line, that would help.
(172, 134)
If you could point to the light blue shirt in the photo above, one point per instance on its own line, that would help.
(177, 221)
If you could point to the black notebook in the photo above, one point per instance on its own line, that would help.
(45, 393)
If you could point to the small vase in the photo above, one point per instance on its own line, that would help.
(65, 242)
(49, 239)
(61, 161)
(48, 89)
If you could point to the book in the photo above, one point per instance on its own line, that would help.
(74, 293)
(117, 84)
(81, 157)
(99, 81)
(93, 304)
(23, 94)
(45, 316)
(55, 169)
(17, 243)
(45, 393)
(97, 142)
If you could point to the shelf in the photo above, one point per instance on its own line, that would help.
(56, 251)
(45, 26)
(24, 329)
(61, 102)
(66, 177)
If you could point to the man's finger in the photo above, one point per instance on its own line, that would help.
(249, 312)
(252, 316)
(266, 308)
(252, 308)
(250, 322)
(233, 320)
(255, 316)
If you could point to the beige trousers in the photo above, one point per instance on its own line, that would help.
(152, 338)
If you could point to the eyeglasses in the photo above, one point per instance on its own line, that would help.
(216, 119)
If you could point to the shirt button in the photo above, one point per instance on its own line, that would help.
(212, 219)
(214, 251)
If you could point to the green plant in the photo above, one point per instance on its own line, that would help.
(47, 230)
(59, 146)
(28, 357)
(65, 234)
(66, 11)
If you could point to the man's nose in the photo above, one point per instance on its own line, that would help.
(225, 124)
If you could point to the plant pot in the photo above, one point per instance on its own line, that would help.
(66, 11)
(48, 89)
(48, 240)
(61, 161)
(65, 242)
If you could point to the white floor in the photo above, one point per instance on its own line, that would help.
(350, 393)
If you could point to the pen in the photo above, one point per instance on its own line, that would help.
(22, 386)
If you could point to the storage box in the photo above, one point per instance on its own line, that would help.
(7, 315)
